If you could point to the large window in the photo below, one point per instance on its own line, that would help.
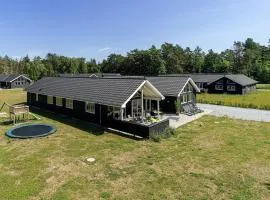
(59, 101)
(187, 94)
(90, 107)
(49, 99)
(219, 87)
(69, 103)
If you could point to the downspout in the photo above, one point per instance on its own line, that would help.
(100, 114)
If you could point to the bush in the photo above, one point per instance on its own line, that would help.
(156, 137)
(167, 133)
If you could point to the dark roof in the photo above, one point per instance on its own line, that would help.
(3, 77)
(169, 86)
(201, 77)
(8, 78)
(89, 75)
(241, 79)
(106, 91)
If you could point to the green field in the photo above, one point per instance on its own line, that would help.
(263, 86)
(258, 99)
(211, 158)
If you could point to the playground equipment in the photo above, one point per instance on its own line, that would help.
(16, 112)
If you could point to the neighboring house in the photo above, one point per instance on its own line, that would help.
(14, 81)
(232, 84)
(222, 83)
(117, 103)
(181, 89)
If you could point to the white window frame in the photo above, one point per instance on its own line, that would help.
(185, 98)
(69, 103)
(218, 87)
(92, 108)
(36, 97)
(59, 101)
(231, 88)
(190, 97)
(48, 100)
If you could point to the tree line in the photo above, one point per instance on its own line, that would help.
(249, 57)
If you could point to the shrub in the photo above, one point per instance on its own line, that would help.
(167, 133)
(156, 137)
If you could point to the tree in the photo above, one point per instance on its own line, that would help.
(173, 57)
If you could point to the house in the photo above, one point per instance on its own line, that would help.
(232, 84)
(14, 81)
(117, 103)
(222, 83)
(177, 90)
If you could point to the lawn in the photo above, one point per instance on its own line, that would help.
(258, 99)
(211, 158)
(263, 86)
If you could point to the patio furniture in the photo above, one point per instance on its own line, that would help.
(187, 110)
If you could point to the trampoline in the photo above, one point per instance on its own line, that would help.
(31, 131)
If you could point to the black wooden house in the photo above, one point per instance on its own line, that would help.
(181, 89)
(112, 102)
(222, 83)
(14, 81)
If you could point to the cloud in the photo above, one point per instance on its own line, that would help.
(104, 49)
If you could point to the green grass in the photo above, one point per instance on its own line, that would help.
(211, 158)
(258, 99)
(263, 86)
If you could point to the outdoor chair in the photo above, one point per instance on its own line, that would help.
(187, 110)
(196, 108)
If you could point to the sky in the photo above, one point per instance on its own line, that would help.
(97, 28)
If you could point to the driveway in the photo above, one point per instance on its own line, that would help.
(238, 113)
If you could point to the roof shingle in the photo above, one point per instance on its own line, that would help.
(104, 91)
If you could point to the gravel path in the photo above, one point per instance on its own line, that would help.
(238, 113)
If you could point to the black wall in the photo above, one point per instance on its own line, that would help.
(78, 110)
(168, 104)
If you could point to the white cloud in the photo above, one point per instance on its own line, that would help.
(104, 49)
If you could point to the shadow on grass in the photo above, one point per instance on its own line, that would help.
(88, 127)
(267, 185)
(77, 123)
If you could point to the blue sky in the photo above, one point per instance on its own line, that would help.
(96, 28)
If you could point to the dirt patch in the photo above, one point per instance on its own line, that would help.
(126, 158)
(261, 171)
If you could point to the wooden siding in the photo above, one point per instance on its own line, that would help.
(224, 82)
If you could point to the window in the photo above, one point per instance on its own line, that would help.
(90, 107)
(184, 98)
(49, 99)
(36, 97)
(114, 112)
(231, 87)
(190, 97)
(69, 103)
(219, 87)
(59, 101)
